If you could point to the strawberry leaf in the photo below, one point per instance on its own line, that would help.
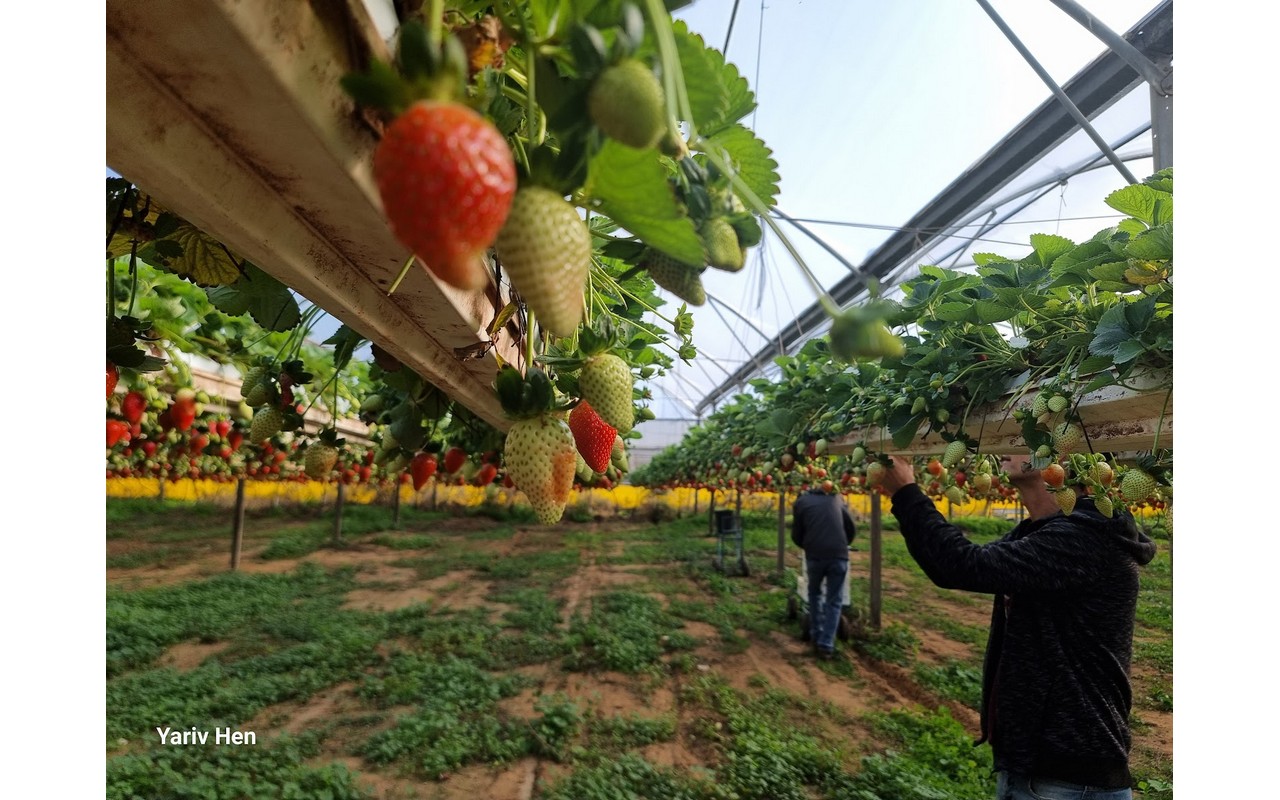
(752, 158)
(630, 186)
(262, 297)
(718, 94)
(204, 260)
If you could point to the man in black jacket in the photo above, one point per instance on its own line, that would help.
(1055, 687)
(822, 526)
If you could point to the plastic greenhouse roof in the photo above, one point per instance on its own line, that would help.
(872, 110)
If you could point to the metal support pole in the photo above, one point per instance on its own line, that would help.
(875, 560)
(1161, 129)
(1158, 77)
(237, 525)
(711, 515)
(337, 512)
(1071, 108)
(395, 509)
(782, 532)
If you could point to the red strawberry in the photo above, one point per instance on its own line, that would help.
(113, 377)
(546, 250)
(149, 448)
(223, 427)
(117, 429)
(606, 381)
(235, 439)
(1054, 475)
(592, 436)
(133, 406)
(447, 178)
(454, 459)
(486, 474)
(422, 467)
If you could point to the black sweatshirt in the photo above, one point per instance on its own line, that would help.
(1055, 684)
(821, 525)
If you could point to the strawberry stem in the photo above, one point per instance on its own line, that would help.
(403, 271)
(435, 23)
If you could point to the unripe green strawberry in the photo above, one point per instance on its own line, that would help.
(581, 471)
(1058, 403)
(266, 423)
(1040, 406)
(1066, 498)
(956, 495)
(682, 280)
(545, 248)
(618, 456)
(721, 242)
(954, 452)
(258, 394)
(605, 383)
(1067, 437)
(875, 473)
(541, 460)
(1103, 503)
(919, 406)
(859, 454)
(319, 459)
(853, 336)
(1101, 472)
(626, 103)
(982, 482)
(252, 378)
(1044, 451)
(1136, 485)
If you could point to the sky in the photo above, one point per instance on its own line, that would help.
(54, 590)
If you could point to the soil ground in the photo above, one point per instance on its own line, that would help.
(393, 572)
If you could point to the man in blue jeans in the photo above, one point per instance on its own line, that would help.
(822, 526)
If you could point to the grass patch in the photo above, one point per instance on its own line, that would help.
(625, 631)
(953, 680)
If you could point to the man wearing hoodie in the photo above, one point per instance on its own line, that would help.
(822, 526)
(1055, 684)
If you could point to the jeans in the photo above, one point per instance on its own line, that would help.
(1012, 786)
(824, 606)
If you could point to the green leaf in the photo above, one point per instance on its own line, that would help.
(1102, 379)
(751, 157)
(1048, 248)
(204, 261)
(262, 297)
(1140, 202)
(718, 94)
(903, 425)
(345, 340)
(953, 312)
(1111, 271)
(631, 187)
(989, 311)
(1153, 245)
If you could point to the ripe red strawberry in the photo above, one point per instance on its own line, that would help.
(113, 377)
(606, 383)
(235, 439)
(540, 457)
(546, 250)
(454, 459)
(592, 435)
(117, 429)
(486, 474)
(446, 177)
(133, 406)
(422, 467)
(223, 427)
(626, 103)
(1054, 475)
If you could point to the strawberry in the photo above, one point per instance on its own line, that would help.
(1057, 404)
(954, 452)
(681, 279)
(266, 423)
(113, 377)
(182, 413)
(1102, 473)
(934, 467)
(606, 383)
(592, 436)
(133, 406)
(446, 177)
(956, 496)
(982, 482)
(1066, 498)
(1104, 505)
(546, 250)
(1040, 406)
(626, 103)
(618, 455)
(222, 427)
(875, 473)
(540, 458)
(1067, 437)
(721, 242)
(235, 439)
(1136, 485)
(318, 460)
(454, 459)
(486, 474)
(1054, 475)
(422, 467)
(117, 429)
